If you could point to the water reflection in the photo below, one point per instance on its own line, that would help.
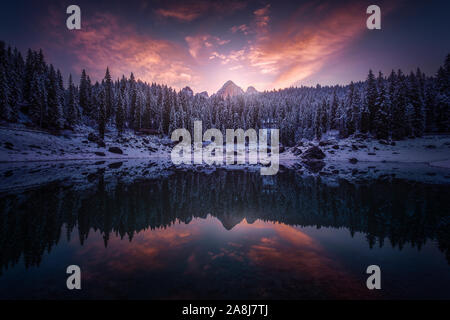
(226, 234)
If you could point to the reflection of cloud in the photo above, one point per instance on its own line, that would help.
(191, 10)
(204, 251)
(292, 251)
(149, 250)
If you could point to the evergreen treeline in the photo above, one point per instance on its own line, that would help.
(387, 107)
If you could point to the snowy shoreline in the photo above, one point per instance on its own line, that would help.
(30, 157)
(19, 144)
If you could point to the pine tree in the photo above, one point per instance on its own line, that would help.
(443, 97)
(71, 110)
(120, 115)
(415, 100)
(352, 113)
(38, 100)
(323, 120)
(5, 108)
(54, 110)
(365, 119)
(430, 106)
(166, 111)
(133, 102)
(108, 95)
(381, 123)
(399, 117)
(317, 123)
(148, 110)
(342, 120)
(101, 114)
(333, 112)
(29, 75)
(138, 111)
(85, 94)
(15, 67)
(371, 97)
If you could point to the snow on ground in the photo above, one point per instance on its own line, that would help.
(18, 143)
(429, 149)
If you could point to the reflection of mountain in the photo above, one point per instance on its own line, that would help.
(402, 212)
(229, 221)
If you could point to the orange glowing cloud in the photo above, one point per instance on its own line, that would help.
(106, 41)
(203, 46)
(192, 10)
(300, 49)
(268, 55)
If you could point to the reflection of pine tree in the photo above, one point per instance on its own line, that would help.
(380, 209)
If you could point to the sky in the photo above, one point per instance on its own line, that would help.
(202, 44)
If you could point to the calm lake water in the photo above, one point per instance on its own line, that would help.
(224, 235)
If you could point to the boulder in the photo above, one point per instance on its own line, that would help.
(101, 144)
(101, 154)
(353, 160)
(313, 153)
(92, 137)
(116, 150)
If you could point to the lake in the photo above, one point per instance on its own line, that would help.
(220, 234)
